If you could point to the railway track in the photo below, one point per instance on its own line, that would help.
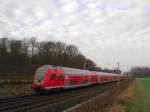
(51, 102)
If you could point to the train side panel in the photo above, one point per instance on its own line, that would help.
(49, 77)
(74, 80)
(93, 77)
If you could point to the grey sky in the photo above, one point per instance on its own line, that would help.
(104, 30)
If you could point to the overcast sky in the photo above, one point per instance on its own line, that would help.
(104, 30)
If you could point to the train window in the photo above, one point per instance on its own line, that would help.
(52, 76)
(61, 77)
(40, 76)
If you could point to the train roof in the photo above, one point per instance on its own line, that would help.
(75, 71)
(67, 70)
(44, 67)
(112, 74)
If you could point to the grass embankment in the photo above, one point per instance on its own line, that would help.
(15, 81)
(15, 89)
(136, 98)
(12, 87)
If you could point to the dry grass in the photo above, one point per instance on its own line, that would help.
(117, 108)
(127, 95)
(124, 102)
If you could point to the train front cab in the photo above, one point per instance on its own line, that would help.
(54, 79)
(49, 78)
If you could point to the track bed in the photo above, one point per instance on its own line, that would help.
(54, 101)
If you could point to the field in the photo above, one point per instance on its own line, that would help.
(142, 95)
(136, 98)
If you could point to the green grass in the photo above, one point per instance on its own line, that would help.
(142, 96)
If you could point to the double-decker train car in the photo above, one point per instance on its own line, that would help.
(52, 77)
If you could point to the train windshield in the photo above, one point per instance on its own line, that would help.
(39, 76)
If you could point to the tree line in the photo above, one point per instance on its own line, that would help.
(21, 57)
(140, 72)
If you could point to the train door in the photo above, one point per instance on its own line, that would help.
(66, 80)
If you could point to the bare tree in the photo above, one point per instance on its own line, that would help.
(26, 45)
(72, 50)
(15, 47)
(33, 43)
(3, 46)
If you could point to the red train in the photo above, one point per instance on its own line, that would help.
(50, 77)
